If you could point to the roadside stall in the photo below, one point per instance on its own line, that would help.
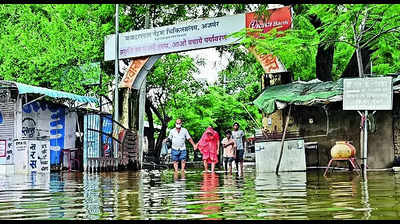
(316, 122)
(36, 125)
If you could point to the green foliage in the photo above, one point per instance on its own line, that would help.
(46, 45)
(297, 47)
(216, 108)
(170, 80)
(381, 32)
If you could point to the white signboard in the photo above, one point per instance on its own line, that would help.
(39, 156)
(21, 156)
(3, 148)
(368, 93)
(174, 38)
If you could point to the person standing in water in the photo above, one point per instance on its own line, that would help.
(229, 150)
(209, 148)
(238, 136)
(178, 135)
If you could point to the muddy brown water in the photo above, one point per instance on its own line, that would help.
(161, 195)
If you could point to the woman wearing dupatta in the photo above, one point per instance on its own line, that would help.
(209, 148)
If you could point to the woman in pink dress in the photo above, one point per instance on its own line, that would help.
(209, 148)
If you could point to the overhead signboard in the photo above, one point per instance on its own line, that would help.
(368, 93)
(279, 18)
(174, 38)
(201, 33)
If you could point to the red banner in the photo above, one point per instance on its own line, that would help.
(280, 18)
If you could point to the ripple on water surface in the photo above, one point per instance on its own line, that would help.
(199, 195)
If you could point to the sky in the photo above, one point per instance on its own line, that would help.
(213, 63)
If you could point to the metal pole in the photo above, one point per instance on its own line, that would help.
(116, 105)
(365, 142)
(224, 81)
(142, 102)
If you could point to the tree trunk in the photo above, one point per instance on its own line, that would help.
(324, 62)
(351, 69)
(164, 122)
(151, 130)
(161, 137)
(133, 121)
(124, 119)
(324, 57)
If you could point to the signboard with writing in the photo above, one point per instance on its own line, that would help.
(21, 156)
(280, 18)
(3, 148)
(174, 38)
(44, 157)
(39, 156)
(201, 33)
(368, 93)
(10, 153)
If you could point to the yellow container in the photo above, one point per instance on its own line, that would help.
(343, 149)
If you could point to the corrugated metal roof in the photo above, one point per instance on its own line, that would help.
(24, 88)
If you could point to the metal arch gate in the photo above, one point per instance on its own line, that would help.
(215, 30)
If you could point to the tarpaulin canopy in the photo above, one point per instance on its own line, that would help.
(305, 93)
(24, 88)
(300, 93)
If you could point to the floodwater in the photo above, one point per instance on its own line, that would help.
(161, 195)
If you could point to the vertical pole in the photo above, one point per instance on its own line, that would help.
(116, 105)
(283, 140)
(224, 81)
(364, 148)
(142, 101)
(365, 159)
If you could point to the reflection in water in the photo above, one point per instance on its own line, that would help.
(210, 196)
(366, 196)
(283, 196)
(56, 186)
(197, 195)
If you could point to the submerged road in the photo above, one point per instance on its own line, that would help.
(161, 195)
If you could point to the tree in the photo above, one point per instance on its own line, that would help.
(216, 108)
(43, 44)
(371, 26)
(171, 78)
(318, 28)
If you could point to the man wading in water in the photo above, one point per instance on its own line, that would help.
(229, 151)
(178, 135)
(238, 136)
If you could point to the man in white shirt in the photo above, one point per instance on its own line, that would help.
(179, 135)
(240, 139)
